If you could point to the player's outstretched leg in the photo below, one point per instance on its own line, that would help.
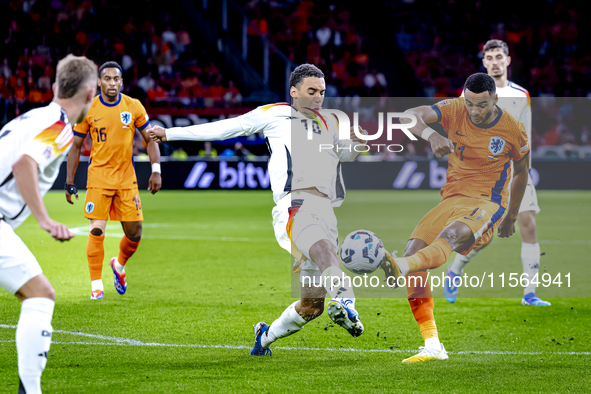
(292, 320)
(95, 253)
(33, 332)
(260, 329)
(421, 304)
(127, 247)
(341, 309)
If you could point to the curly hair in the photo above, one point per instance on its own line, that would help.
(304, 71)
(481, 82)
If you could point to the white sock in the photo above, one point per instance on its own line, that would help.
(120, 268)
(288, 323)
(530, 258)
(33, 338)
(460, 262)
(433, 343)
(338, 284)
(402, 265)
(97, 285)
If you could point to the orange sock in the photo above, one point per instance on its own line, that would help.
(431, 257)
(421, 303)
(126, 249)
(428, 329)
(95, 253)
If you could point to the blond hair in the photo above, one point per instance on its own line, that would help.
(72, 73)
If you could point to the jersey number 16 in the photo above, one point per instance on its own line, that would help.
(101, 135)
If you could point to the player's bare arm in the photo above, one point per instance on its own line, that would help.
(73, 160)
(440, 145)
(507, 226)
(26, 174)
(155, 181)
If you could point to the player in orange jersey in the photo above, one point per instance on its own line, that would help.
(482, 142)
(112, 184)
(516, 100)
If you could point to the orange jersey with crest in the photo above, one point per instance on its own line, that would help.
(112, 128)
(480, 165)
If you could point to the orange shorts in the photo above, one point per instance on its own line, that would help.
(120, 205)
(482, 216)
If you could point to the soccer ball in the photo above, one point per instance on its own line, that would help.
(362, 252)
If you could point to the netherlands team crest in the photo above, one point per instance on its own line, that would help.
(125, 117)
(496, 145)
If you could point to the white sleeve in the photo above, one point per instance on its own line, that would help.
(240, 126)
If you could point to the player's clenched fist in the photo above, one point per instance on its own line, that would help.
(440, 145)
(354, 137)
(157, 133)
(506, 228)
(57, 230)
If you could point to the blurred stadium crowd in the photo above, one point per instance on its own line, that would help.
(168, 66)
(320, 33)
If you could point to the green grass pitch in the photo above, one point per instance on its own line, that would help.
(208, 268)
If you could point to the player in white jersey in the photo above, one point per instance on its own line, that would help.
(516, 100)
(307, 183)
(32, 147)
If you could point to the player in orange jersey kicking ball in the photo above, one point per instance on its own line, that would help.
(482, 141)
(112, 184)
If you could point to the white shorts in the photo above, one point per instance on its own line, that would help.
(17, 263)
(530, 198)
(313, 219)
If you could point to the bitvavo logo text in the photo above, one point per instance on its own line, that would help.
(245, 175)
(345, 127)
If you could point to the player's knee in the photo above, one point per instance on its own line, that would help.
(96, 231)
(527, 222)
(133, 231)
(455, 236)
(323, 254)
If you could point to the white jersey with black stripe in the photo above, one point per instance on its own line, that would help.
(44, 134)
(516, 100)
(296, 162)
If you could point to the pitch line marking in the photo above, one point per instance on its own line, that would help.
(84, 232)
(133, 342)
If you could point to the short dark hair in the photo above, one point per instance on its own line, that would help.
(304, 71)
(494, 44)
(110, 65)
(481, 82)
